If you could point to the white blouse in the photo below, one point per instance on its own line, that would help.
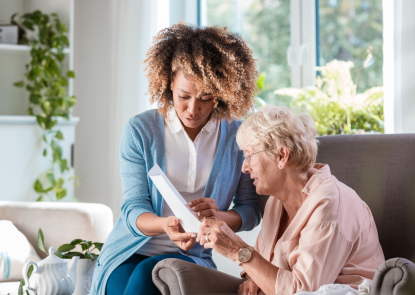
(188, 166)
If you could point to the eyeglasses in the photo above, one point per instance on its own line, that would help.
(248, 157)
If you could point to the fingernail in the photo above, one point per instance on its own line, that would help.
(190, 203)
(193, 208)
(193, 236)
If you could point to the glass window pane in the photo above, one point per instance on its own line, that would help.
(348, 29)
(265, 25)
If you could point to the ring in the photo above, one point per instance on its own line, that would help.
(207, 238)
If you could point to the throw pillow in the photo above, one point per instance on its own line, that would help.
(15, 250)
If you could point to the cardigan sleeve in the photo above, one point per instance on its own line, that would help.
(135, 191)
(246, 203)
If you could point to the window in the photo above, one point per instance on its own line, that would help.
(348, 30)
(291, 37)
(265, 25)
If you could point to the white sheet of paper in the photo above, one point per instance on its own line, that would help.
(176, 202)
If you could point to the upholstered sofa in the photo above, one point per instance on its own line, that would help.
(60, 223)
(381, 169)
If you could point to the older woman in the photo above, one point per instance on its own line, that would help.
(315, 231)
(201, 80)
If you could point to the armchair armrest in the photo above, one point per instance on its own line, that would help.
(179, 277)
(396, 276)
(60, 222)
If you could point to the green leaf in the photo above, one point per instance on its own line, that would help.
(64, 82)
(261, 81)
(72, 254)
(51, 178)
(19, 84)
(41, 241)
(12, 18)
(66, 247)
(72, 101)
(76, 241)
(41, 121)
(59, 183)
(71, 74)
(20, 292)
(28, 25)
(34, 98)
(60, 193)
(45, 105)
(29, 271)
(59, 254)
(40, 199)
(57, 152)
(45, 152)
(59, 135)
(38, 187)
(98, 246)
(64, 165)
(84, 246)
(91, 256)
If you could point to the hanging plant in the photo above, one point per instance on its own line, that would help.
(47, 87)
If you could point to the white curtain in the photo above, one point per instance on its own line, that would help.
(399, 65)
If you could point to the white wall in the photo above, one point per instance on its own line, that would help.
(111, 40)
(22, 160)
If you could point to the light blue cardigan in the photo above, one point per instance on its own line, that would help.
(142, 146)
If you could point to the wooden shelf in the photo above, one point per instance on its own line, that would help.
(22, 48)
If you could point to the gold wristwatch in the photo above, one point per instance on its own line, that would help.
(244, 255)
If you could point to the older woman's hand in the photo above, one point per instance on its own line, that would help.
(249, 287)
(204, 207)
(220, 238)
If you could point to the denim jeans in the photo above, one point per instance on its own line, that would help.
(134, 275)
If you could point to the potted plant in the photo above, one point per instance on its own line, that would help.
(86, 263)
(334, 103)
(47, 85)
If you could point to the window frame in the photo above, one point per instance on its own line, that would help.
(302, 53)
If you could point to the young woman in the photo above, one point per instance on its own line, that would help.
(202, 81)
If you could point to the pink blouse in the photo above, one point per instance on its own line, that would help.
(332, 238)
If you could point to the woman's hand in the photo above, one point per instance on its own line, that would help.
(220, 238)
(176, 233)
(204, 207)
(249, 288)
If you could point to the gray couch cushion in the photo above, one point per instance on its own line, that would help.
(381, 169)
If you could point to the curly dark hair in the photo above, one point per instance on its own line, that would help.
(220, 62)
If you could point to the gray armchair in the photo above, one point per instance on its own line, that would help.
(381, 169)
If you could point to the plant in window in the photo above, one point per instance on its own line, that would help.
(47, 87)
(334, 103)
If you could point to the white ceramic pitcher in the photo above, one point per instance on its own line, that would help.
(51, 276)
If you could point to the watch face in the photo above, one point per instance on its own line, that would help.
(244, 255)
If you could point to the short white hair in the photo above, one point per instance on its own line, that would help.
(278, 126)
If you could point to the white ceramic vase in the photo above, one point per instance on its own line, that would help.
(84, 272)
